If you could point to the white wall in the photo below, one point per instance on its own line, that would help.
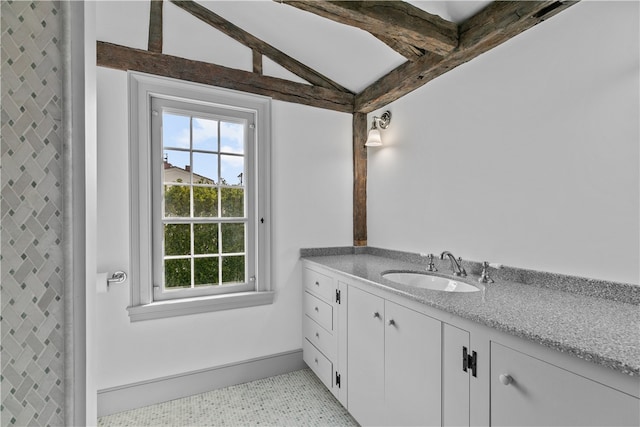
(528, 155)
(311, 206)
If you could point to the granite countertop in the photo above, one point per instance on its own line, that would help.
(601, 330)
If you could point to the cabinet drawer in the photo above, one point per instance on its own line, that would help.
(319, 311)
(319, 284)
(319, 337)
(318, 363)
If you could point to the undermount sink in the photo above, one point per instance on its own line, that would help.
(428, 281)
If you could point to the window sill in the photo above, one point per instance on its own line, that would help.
(186, 306)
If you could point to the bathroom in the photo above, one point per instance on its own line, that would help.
(526, 156)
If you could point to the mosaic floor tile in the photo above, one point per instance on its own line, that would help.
(294, 399)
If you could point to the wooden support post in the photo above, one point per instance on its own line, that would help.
(155, 27)
(359, 179)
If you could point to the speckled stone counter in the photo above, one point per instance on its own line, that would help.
(564, 317)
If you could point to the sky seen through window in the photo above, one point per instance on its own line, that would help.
(176, 137)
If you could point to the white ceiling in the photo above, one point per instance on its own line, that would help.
(347, 55)
(451, 10)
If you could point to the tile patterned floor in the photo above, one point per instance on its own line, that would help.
(294, 399)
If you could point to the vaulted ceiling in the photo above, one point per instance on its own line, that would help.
(348, 56)
(351, 56)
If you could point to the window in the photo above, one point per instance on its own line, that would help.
(199, 198)
(203, 170)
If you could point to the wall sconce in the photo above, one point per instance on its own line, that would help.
(374, 139)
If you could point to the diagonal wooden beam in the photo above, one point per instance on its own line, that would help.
(396, 20)
(492, 26)
(255, 43)
(410, 52)
(126, 58)
(155, 26)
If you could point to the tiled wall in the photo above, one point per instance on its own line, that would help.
(31, 214)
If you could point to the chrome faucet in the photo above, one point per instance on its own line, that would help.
(431, 266)
(456, 268)
(484, 276)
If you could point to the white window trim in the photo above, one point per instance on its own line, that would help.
(141, 88)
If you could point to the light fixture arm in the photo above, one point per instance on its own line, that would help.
(384, 120)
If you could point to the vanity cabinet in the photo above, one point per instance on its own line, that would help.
(394, 359)
(391, 360)
(529, 391)
(324, 345)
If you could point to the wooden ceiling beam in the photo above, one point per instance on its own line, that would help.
(492, 26)
(410, 52)
(247, 39)
(155, 26)
(406, 24)
(126, 58)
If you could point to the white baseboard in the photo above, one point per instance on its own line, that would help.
(136, 395)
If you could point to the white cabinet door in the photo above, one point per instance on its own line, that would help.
(412, 367)
(455, 381)
(365, 355)
(528, 391)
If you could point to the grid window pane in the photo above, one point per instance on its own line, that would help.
(177, 200)
(175, 130)
(205, 271)
(177, 239)
(232, 202)
(231, 170)
(232, 137)
(205, 134)
(205, 202)
(233, 269)
(232, 238)
(205, 168)
(177, 273)
(176, 166)
(205, 239)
